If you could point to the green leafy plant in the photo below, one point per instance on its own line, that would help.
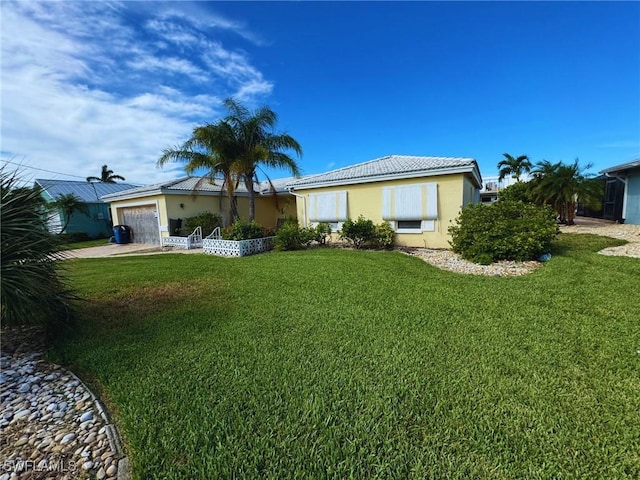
(385, 236)
(242, 230)
(322, 231)
(358, 233)
(517, 192)
(33, 288)
(292, 237)
(505, 230)
(207, 220)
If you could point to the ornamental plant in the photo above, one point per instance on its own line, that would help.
(242, 230)
(358, 233)
(505, 230)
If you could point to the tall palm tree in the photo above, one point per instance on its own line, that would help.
(213, 147)
(513, 166)
(68, 204)
(106, 176)
(564, 186)
(259, 145)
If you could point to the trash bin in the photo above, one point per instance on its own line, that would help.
(122, 234)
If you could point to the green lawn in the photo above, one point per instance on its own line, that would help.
(352, 364)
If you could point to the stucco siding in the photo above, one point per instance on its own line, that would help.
(633, 199)
(366, 199)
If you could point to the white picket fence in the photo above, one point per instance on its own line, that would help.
(192, 241)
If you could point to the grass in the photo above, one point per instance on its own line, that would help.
(347, 364)
(98, 242)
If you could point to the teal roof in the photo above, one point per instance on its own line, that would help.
(85, 191)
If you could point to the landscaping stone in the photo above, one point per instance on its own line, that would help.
(41, 410)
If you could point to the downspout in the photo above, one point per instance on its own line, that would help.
(304, 205)
(624, 193)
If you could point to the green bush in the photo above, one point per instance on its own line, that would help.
(207, 220)
(505, 230)
(385, 236)
(518, 192)
(358, 233)
(33, 288)
(322, 231)
(292, 237)
(242, 230)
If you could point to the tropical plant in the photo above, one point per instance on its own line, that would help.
(513, 166)
(106, 176)
(214, 148)
(258, 145)
(564, 186)
(69, 204)
(33, 289)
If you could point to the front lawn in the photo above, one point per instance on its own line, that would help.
(341, 364)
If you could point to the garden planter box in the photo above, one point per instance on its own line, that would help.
(237, 248)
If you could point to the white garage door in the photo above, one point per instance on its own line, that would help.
(143, 223)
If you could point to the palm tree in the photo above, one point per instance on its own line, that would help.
(513, 167)
(564, 186)
(259, 145)
(33, 287)
(106, 176)
(68, 204)
(213, 147)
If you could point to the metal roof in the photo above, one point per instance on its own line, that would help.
(632, 165)
(392, 166)
(199, 185)
(85, 191)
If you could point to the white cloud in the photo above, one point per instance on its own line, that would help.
(84, 85)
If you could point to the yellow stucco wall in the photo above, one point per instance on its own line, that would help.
(184, 206)
(366, 199)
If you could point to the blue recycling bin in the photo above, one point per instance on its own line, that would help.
(122, 234)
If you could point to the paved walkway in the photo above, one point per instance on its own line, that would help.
(127, 249)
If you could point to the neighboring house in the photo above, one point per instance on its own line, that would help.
(629, 175)
(97, 223)
(610, 207)
(151, 211)
(493, 185)
(419, 196)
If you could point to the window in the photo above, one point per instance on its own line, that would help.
(409, 224)
(411, 208)
(328, 207)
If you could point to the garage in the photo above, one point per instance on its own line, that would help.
(143, 222)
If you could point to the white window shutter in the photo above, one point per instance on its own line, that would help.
(432, 201)
(387, 203)
(408, 202)
(328, 207)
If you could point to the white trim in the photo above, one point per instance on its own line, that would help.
(425, 226)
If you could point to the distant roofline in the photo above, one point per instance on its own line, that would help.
(633, 164)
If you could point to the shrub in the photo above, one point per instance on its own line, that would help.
(291, 237)
(207, 220)
(241, 230)
(518, 192)
(505, 230)
(322, 231)
(385, 236)
(33, 288)
(358, 233)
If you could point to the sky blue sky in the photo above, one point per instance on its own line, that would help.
(88, 83)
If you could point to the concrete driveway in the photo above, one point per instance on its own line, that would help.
(127, 249)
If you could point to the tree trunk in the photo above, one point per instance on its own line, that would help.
(248, 181)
